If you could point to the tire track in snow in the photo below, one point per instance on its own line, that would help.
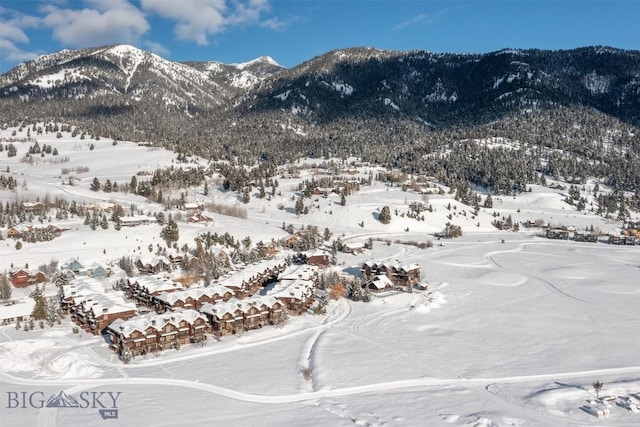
(307, 396)
(546, 283)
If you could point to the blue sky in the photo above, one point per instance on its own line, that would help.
(293, 31)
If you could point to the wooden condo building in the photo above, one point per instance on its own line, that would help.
(236, 316)
(157, 332)
(400, 275)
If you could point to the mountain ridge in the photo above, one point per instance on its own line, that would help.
(390, 106)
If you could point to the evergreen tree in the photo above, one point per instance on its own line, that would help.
(170, 232)
(385, 215)
(327, 234)
(40, 309)
(299, 206)
(133, 185)
(95, 184)
(488, 202)
(53, 310)
(5, 286)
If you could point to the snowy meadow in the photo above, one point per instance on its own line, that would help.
(513, 330)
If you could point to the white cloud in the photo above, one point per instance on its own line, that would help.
(420, 18)
(156, 48)
(197, 20)
(100, 22)
(12, 33)
(274, 24)
(416, 19)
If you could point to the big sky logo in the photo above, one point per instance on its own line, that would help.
(106, 402)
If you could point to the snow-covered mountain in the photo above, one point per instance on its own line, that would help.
(454, 89)
(345, 101)
(240, 76)
(127, 75)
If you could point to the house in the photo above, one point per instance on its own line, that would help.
(199, 217)
(400, 275)
(16, 312)
(422, 286)
(193, 207)
(14, 232)
(353, 247)
(557, 233)
(153, 265)
(96, 271)
(297, 296)
(134, 221)
(585, 237)
(291, 241)
(222, 255)
(21, 277)
(380, 283)
(34, 207)
(319, 259)
(101, 206)
(615, 239)
(37, 277)
(73, 265)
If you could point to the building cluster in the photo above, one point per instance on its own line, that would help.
(31, 232)
(230, 306)
(74, 268)
(626, 237)
(381, 276)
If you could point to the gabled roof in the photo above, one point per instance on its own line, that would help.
(299, 272)
(155, 284)
(156, 321)
(83, 286)
(22, 307)
(297, 289)
(381, 282)
(252, 272)
(108, 304)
